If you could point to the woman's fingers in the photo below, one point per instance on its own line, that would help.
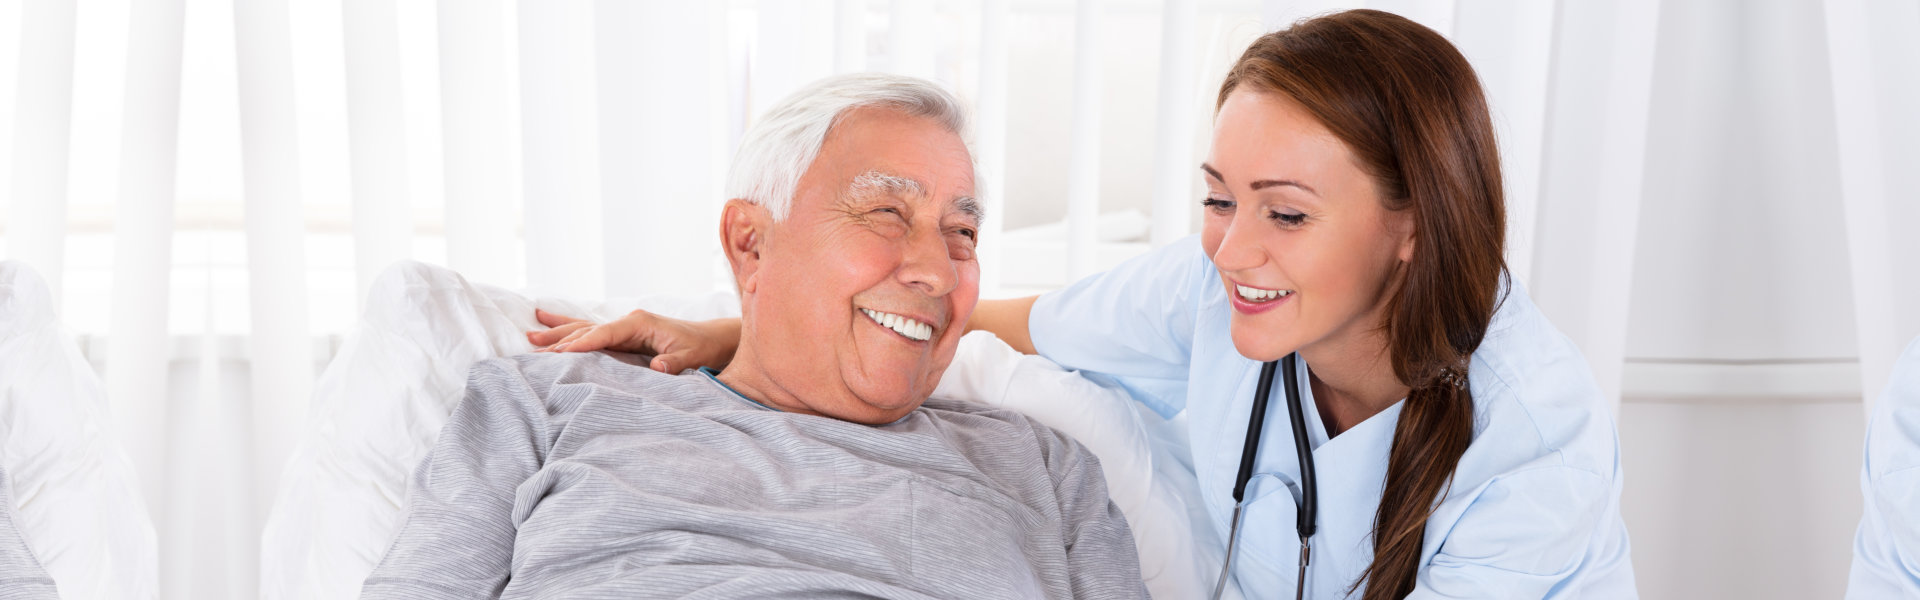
(584, 340)
(685, 345)
(677, 345)
(568, 341)
(630, 333)
(555, 319)
(557, 333)
(560, 326)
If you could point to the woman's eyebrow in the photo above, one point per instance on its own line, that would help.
(1261, 184)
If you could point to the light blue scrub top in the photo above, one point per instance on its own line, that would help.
(1534, 510)
(1886, 549)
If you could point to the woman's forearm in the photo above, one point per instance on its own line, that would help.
(1006, 319)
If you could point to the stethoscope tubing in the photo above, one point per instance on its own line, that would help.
(1261, 392)
(1307, 516)
(1303, 449)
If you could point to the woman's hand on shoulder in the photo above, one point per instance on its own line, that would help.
(675, 344)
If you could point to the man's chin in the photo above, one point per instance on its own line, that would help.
(885, 404)
(880, 414)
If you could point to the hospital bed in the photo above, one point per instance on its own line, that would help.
(380, 403)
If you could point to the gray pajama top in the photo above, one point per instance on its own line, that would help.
(581, 476)
(21, 577)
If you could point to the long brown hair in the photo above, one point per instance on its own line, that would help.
(1408, 105)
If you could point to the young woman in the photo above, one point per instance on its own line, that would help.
(1354, 218)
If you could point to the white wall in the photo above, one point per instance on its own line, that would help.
(1740, 500)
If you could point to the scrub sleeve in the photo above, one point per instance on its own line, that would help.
(1133, 324)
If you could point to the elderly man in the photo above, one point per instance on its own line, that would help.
(814, 465)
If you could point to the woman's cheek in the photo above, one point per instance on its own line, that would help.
(1211, 233)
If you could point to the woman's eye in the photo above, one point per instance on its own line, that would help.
(1218, 206)
(1288, 218)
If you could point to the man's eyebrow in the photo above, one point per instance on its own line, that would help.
(1261, 184)
(969, 206)
(871, 182)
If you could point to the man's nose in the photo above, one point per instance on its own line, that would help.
(927, 265)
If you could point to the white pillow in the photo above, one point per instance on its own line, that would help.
(380, 403)
(384, 397)
(76, 494)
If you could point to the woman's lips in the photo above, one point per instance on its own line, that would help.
(1246, 307)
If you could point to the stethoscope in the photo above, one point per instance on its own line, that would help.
(1308, 503)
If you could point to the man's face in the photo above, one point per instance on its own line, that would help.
(860, 296)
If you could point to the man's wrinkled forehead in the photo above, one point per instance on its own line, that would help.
(875, 183)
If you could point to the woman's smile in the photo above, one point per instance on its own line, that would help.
(1250, 300)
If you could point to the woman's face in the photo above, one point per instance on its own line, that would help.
(1304, 245)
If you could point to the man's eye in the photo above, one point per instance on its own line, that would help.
(971, 234)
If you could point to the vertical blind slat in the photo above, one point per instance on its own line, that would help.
(377, 140)
(1596, 153)
(990, 139)
(320, 80)
(849, 36)
(280, 350)
(795, 46)
(559, 148)
(10, 29)
(1083, 160)
(1864, 187)
(1510, 43)
(99, 76)
(137, 351)
(1173, 161)
(477, 136)
(661, 145)
(42, 112)
(911, 38)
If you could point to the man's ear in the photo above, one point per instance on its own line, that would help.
(743, 229)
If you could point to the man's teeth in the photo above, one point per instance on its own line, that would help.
(1260, 295)
(914, 330)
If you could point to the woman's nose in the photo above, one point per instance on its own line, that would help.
(1240, 246)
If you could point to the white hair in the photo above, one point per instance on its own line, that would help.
(779, 148)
